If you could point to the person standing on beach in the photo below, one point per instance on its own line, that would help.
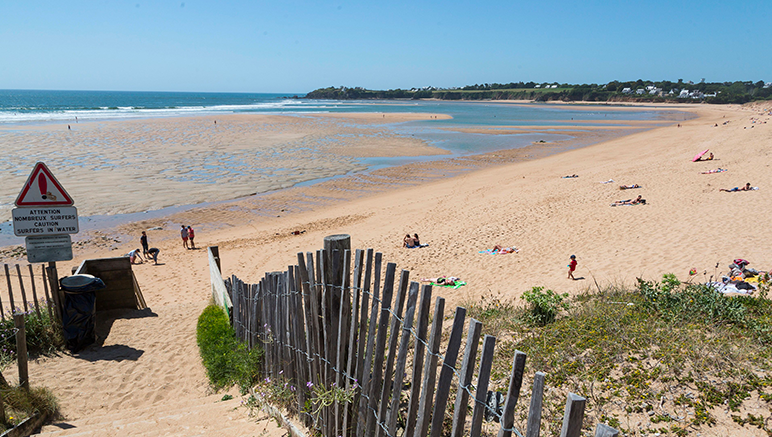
(143, 240)
(191, 236)
(572, 267)
(184, 235)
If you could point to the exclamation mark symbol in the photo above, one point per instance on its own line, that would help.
(43, 185)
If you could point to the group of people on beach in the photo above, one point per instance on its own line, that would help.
(188, 234)
(135, 256)
(411, 242)
(188, 242)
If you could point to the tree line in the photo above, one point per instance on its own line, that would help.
(614, 91)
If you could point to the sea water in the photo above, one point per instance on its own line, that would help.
(38, 107)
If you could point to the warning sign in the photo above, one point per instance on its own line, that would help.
(42, 189)
(45, 221)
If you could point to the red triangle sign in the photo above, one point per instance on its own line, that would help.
(42, 189)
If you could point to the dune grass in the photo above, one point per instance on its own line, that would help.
(664, 357)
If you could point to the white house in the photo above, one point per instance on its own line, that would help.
(626, 90)
(640, 91)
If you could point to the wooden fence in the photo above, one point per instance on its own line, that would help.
(345, 343)
(27, 288)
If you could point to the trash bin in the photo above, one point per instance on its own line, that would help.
(79, 314)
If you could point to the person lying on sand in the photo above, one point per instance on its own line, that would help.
(571, 176)
(629, 187)
(408, 242)
(747, 187)
(500, 250)
(709, 158)
(637, 201)
(443, 280)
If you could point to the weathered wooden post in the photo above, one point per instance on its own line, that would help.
(21, 350)
(483, 379)
(53, 281)
(534, 412)
(513, 394)
(573, 417)
(604, 430)
(339, 243)
(465, 379)
(10, 290)
(21, 285)
(34, 291)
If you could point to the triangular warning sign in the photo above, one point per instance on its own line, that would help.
(42, 189)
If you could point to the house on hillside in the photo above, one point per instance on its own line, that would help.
(626, 90)
(684, 94)
(640, 91)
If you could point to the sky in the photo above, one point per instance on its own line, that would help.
(296, 47)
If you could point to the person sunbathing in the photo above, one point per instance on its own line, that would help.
(747, 187)
(408, 242)
(629, 187)
(443, 280)
(637, 201)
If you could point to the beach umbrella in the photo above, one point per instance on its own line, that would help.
(699, 155)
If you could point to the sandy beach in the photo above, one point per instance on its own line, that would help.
(458, 206)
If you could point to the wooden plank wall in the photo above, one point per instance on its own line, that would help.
(121, 291)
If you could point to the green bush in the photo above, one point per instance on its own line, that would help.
(682, 303)
(43, 335)
(226, 359)
(544, 305)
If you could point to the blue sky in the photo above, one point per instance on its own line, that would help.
(292, 46)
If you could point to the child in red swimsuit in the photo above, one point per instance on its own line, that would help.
(572, 267)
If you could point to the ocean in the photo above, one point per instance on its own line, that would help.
(25, 107)
(21, 109)
(44, 106)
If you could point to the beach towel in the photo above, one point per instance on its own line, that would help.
(607, 182)
(626, 204)
(417, 247)
(716, 170)
(503, 251)
(731, 288)
(457, 282)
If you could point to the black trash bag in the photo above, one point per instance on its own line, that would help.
(494, 402)
(79, 315)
